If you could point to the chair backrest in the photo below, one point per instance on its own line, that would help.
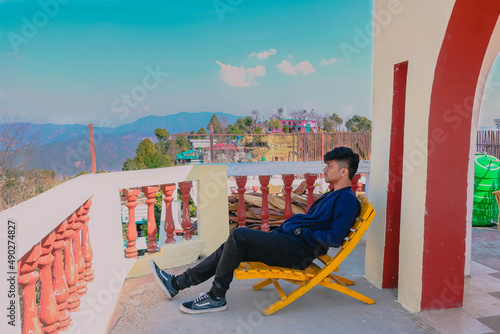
(358, 229)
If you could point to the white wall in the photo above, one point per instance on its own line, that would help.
(413, 32)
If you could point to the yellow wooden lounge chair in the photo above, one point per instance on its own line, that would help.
(314, 274)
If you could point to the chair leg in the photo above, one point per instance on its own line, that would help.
(347, 291)
(278, 287)
(343, 279)
(295, 281)
(259, 285)
(300, 291)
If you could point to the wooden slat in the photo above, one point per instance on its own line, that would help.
(248, 267)
(274, 269)
(260, 266)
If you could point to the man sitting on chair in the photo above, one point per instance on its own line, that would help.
(295, 244)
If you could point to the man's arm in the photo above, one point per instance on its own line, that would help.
(344, 213)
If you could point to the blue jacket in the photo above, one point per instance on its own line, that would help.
(328, 220)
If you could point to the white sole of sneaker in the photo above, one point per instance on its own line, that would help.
(158, 279)
(210, 310)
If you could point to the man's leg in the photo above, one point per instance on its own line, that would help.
(243, 244)
(171, 284)
(201, 272)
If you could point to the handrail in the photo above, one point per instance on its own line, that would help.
(297, 167)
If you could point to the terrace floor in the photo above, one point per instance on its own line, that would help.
(143, 308)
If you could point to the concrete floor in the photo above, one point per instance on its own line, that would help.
(143, 308)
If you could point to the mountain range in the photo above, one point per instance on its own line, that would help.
(65, 147)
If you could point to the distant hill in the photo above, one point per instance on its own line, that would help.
(64, 147)
(175, 123)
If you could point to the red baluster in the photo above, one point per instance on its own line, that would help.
(287, 180)
(354, 182)
(77, 250)
(242, 215)
(70, 269)
(310, 179)
(131, 196)
(88, 274)
(264, 213)
(61, 290)
(27, 279)
(150, 193)
(186, 220)
(168, 190)
(48, 310)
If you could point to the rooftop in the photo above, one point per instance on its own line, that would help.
(142, 306)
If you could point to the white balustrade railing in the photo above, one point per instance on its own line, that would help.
(52, 212)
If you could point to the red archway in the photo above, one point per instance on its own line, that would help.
(457, 72)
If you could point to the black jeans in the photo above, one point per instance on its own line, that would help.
(244, 244)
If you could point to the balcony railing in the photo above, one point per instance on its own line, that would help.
(56, 230)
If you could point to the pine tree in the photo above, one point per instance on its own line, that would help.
(218, 129)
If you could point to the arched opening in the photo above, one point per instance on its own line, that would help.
(466, 54)
(488, 142)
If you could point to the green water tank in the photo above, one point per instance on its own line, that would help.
(486, 181)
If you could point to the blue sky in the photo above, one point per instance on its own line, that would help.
(112, 62)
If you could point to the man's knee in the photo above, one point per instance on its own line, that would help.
(240, 234)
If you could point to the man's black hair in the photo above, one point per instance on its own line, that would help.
(345, 157)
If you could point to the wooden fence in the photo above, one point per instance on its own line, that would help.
(312, 146)
(489, 142)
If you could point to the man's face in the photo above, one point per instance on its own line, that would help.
(334, 172)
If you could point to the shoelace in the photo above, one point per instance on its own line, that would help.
(201, 297)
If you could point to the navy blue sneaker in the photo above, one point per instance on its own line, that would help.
(204, 304)
(164, 280)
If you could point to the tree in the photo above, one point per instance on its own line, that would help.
(258, 130)
(241, 126)
(162, 134)
(147, 156)
(182, 143)
(218, 129)
(286, 128)
(279, 114)
(202, 131)
(256, 115)
(163, 145)
(337, 121)
(497, 123)
(274, 123)
(15, 138)
(327, 124)
(359, 124)
(299, 115)
(132, 164)
(332, 123)
(223, 123)
(258, 139)
(19, 186)
(235, 129)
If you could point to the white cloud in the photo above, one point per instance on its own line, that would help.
(264, 54)
(325, 62)
(239, 76)
(304, 67)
